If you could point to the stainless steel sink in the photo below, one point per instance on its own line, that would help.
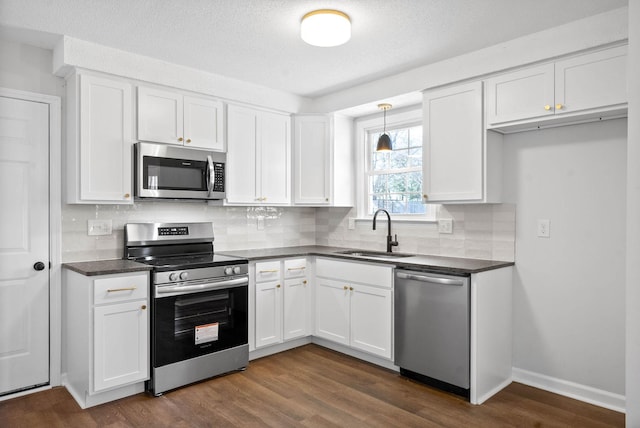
(374, 254)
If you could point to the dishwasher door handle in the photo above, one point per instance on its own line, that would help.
(431, 279)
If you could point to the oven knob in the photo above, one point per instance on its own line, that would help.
(228, 271)
(236, 270)
(173, 276)
(184, 276)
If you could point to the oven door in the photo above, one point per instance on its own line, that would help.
(197, 323)
(173, 172)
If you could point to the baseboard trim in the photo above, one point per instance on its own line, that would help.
(597, 397)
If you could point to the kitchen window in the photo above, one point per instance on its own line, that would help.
(393, 180)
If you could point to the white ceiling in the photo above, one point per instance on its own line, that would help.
(258, 40)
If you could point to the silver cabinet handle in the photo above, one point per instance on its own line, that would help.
(432, 279)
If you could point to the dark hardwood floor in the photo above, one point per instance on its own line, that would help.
(309, 387)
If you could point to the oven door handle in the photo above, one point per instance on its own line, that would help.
(218, 285)
(211, 176)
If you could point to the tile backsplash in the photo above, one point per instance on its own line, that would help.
(479, 231)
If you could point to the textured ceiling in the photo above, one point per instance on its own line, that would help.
(258, 40)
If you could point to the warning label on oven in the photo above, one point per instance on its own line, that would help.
(206, 333)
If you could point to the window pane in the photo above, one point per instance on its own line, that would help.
(398, 159)
(378, 184)
(415, 205)
(379, 160)
(414, 181)
(399, 138)
(415, 157)
(397, 183)
(415, 136)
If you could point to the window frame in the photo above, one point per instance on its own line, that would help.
(404, 118)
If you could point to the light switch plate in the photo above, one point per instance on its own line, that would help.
(99, 227)
(544, 228)
(445, 225)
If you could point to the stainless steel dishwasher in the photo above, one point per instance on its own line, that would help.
(432, 329)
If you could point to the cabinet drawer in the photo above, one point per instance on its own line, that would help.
(267, 271)
(120, 288)
(295, 268)
(365, 273)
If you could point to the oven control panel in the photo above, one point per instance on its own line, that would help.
(173, 230)
(196, 274)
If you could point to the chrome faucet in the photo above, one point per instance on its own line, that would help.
(390, 242)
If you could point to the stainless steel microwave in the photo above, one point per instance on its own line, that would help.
(172, 172)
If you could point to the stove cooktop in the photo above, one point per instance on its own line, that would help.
(182, 262)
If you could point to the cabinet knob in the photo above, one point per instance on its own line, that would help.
(304, 282)
(180, 138)
(127, 196)
(326, 199)
(425, 197)
(143, 307)
(547, 107)
(278, 286)
(345, 288)
(188, 140)
(350, 288)
(559, 106)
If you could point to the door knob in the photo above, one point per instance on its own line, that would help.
(38, 266)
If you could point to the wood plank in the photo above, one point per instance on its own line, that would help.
(309, 386)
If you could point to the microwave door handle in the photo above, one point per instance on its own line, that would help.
(211, 176)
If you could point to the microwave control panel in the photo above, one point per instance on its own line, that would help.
(218, 171)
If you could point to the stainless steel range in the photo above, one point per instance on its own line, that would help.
(199, 309)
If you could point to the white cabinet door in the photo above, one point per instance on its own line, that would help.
(241, 155)
(120, 344)
(332, 310)
(296, 308)
(268, 313)
(203, 123)
(597, 80)
(453, 144)
(105, 141)
(160, 116)
(274, 153)
(524, 94)
(312, 167)
(371, 310)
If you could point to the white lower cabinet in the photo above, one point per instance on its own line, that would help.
(282, 301)
(354, 305)
(106, 336)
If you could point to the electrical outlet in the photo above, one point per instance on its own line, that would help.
(99, 227)
(543, 228)
(352, 223)
(445, 225)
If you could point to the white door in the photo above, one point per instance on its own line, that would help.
(203, 123)
(268, 313)
(241, 155)
(296, 308)
(371, 320)
(332, 310)
(24, 242)
(274, 152)
(160, 116)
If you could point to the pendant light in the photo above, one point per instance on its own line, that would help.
(384, 142)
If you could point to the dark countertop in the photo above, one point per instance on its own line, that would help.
(439, 264)
(106, 267)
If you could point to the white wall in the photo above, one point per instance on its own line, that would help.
(633, 221)
(28, 68)
(569, 289)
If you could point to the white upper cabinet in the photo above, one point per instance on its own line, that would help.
(458, 167)
(578, 88)
(258, 157)
(100, 138)
(323, 160)
(173, 118)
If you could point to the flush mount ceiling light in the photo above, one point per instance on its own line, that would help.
(384, 142)
(325, 28)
